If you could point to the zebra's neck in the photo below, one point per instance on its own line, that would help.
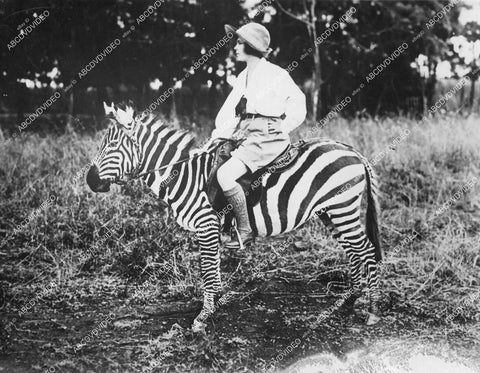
(162, 146)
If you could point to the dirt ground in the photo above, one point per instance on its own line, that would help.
(96, 326)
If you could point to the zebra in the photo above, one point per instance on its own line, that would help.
(327, 181)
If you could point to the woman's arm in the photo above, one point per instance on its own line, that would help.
(296, 107)
(225, 121)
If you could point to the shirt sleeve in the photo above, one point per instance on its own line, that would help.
(225, 121)
(296, 107)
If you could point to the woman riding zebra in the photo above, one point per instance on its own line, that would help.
(327, 180)
(263, 107)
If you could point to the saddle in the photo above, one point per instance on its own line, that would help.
(251, 183)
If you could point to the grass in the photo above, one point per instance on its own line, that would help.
(145, 259)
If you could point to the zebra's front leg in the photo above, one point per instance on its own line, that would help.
(208, 235)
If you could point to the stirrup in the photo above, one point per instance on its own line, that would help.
(236, 241)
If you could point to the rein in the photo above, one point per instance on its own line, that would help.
(136, 174)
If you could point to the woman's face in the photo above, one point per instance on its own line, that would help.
(240, 50)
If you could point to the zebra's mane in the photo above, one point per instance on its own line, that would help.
(156, 125)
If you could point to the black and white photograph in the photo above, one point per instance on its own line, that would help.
(271, 186)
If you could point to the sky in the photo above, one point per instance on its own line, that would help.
(469, 15)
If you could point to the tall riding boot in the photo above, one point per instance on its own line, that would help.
(236, 197)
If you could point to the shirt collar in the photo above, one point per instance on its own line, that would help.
(261, 64)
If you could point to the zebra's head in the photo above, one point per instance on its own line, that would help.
(119, 154)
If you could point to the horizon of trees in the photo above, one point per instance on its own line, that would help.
(162, 44)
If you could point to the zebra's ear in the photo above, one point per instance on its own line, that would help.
(108, 109)
(125, 118)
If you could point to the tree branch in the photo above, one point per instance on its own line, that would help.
(292, 15)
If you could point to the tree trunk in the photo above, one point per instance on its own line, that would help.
(462, 98)
(472, 93)
(424, 96)
(431, 82)
(316, 74)
(21, 100)
(379, 102)
(312, 33)
(316, 84)
(71, 107)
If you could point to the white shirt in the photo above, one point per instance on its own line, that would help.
(271, 91)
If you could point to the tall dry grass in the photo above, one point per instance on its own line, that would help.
(416, 176)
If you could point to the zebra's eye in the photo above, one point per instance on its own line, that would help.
(113, 144)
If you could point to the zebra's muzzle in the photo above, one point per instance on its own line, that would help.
(96, 184)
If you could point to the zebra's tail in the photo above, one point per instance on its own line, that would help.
(373, 210)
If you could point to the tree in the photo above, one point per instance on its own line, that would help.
(166, 41)
(335, 63)
(471, 32)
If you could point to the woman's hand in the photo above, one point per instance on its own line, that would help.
(224, 133)
(216, 133)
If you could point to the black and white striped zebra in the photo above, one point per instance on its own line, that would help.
(326, 181)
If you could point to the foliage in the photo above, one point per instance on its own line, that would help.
(173, 36)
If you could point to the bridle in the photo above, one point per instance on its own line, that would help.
(131, 175)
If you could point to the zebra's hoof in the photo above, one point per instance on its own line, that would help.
(199, 327)
(372, 319)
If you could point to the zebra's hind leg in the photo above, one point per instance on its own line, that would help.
(346, 228)
(356, 268)
(356, 289)
(362, 254)
(373, 280)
